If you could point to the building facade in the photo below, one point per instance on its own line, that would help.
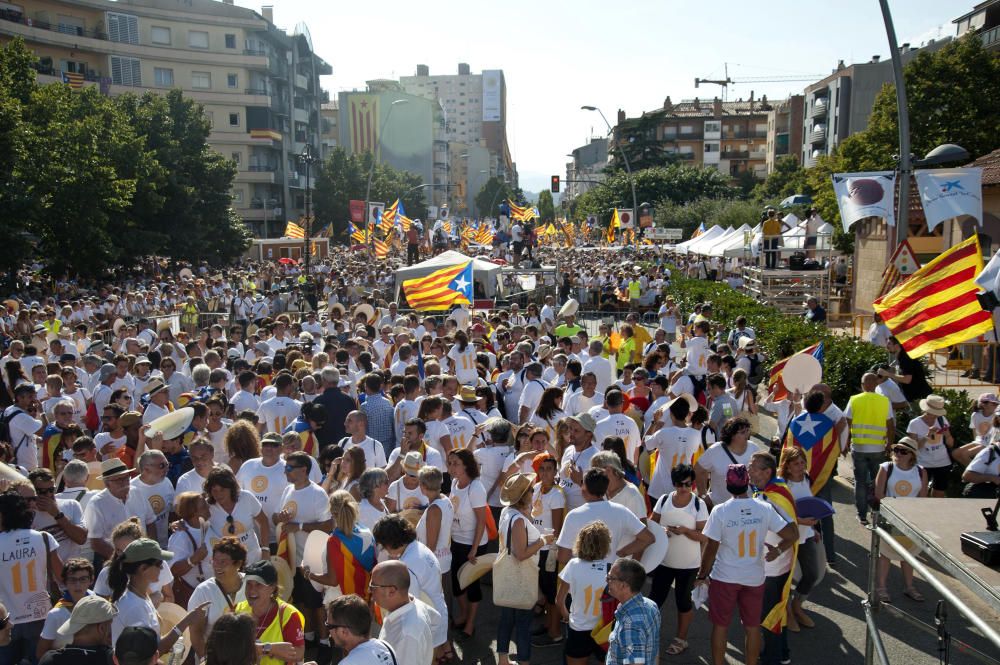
(259, 86)
(586, 169)
(784, 130)
(984, 20)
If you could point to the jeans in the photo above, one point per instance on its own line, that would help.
(809, 562)
(775, 644)
(515, 621)
(865, 469)
(770, 253)
(826, 524)
(23, 643)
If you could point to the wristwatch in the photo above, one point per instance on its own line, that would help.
(58, 516)
(266, 650)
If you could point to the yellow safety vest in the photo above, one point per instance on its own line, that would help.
(634, 289)
(869, 413)
(273, 633)
(53, 326)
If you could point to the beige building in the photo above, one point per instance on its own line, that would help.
(259, 86)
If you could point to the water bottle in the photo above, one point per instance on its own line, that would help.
(177, 652)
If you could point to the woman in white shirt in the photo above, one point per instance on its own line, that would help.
(793, 469)
(190, 545)
(683, 515)
(463, 360)
(468, 534)
(524, 543)
(434, 527)
(902, 477)
(374, 487)
(548, 508)
(437, 434)
(130, 575)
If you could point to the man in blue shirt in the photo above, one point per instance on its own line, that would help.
(635, 638)
(380, 412)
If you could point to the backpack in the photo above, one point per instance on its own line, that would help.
(5, 425)
(756, 374)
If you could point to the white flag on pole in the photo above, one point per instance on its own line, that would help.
(989, 278)
(861, 195)
(949, 193)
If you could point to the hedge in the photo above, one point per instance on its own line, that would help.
(846, 358)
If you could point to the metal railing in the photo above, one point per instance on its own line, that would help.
(73, 30)
(872, 605)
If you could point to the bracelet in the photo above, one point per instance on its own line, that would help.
(178, 632)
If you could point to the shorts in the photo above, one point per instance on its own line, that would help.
(304, 594)
(810, 242)
(579, 644)
(938, 476)
(724, 597)
(518, 248)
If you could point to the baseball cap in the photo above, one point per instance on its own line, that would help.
(136, 645)
(262, 572)
(145, 549)
(90, 610)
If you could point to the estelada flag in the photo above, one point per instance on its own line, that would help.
(937, 306)
(816, 435)
(348, 557)
(293, 230)
(441, 289)
(774, 379)
(778, 493)
(381, 248)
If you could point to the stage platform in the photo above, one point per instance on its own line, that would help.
(786, 289)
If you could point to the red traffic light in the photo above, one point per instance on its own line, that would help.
(555, 184)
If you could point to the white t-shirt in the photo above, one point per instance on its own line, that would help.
(244, 401)
(981, 464)
(209, 592)
(183, 547)
(242, 525)
(405, 410)
(542, 505)
(574, 495)
(44, 522)
(465, 501)
(369, 514)
(56, 617)
(436, 430)
(697, 355)
(683, 553)
(491, 464)
(934, 453)
(976, 423)
(265, 482)
(442, 548)
(465, 364)
(677, 445)
(374, 451)
(104, 512)
(602, 369)
(277, 413)
(716, 461)
(531, 396)
(431, 457)
(618, 424)
(133, 610)
(372, 652)
(462, 430)
(22, 437)
(586, 581)
(740, 526)
(190, 481)
(621, 521)
(309, 504)
(104, 438)
(630, 497)
(160, 498)
(23, 589)
(404, 497)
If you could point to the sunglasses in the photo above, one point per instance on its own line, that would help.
(45, 490)
(372, 585)
(334, 626)
(291, 467)
(232, 524)
(902, 451)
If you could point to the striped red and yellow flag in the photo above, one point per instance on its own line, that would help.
(293, 230)
(72, 79)
(357, 235)
(441, 289)
(286, 548)
(381, 248)
(937, 306)
(484, 236)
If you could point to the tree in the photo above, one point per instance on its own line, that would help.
(636, 138)
(787, 178)
(16, 79)
(546, 208)
(345, 176)
(492, 193)
(710, 212)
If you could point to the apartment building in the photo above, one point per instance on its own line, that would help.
(475, 114)
(729, 136)
(259, 85)
(984, 20)
(784, 130)
(586, 169)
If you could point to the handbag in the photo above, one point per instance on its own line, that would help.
(520, 578)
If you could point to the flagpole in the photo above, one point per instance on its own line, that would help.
(905, 159)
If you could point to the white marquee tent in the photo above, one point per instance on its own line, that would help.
(484, 273)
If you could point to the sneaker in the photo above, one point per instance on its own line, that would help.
(862, 520)
(545, 640)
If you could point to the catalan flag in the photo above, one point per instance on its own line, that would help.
(616, 223)
(357, 235)
(351, 559)
(774, 381)
(301, 427)
(521, 213)
(72, 79)
(780, 496)
(381, 248)
(286, 547)
(484, 236)
(814, 433)
(698, 231)
(937, 306)
(293, 230)
(441, 289)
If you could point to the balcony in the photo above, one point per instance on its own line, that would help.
(251, 175)
(817, 135)
(991, 38)
(17, 17)
(685, 156)
(735, 154)
(254, 51)
(257, 92)
(819, 108)
(758, 154)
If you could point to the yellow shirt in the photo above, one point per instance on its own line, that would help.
(772, 227)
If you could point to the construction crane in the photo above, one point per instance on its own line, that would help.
(726, 82)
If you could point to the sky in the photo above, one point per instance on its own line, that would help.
(558, 56)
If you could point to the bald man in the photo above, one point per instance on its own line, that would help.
(409, 623)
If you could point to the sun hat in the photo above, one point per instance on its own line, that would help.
(934, 405)
(586, 421)
(907, 442)
(88, 611)
(468, 395)
(515, 487)
(412, 463)
(989, 398)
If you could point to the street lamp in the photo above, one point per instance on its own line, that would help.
(273, 202)
(308, 159)
(628, 169)
(946, 153)
(371, 170)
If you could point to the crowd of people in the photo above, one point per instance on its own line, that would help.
(165, 472)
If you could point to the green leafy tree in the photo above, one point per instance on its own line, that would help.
(546, 208)
(492, 194)
(345, 176)
(636, 139)
(787, 178)
(16, 81)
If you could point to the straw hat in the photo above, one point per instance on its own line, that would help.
(170, 615)
(117, 325)
(363, 308)
(516, 487)
(934, 405)
(470, 572)
(112, 468)
(569, 308)
(467, 395)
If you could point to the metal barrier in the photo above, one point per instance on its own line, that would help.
(860, 325)
(872, 605)
(975, 367)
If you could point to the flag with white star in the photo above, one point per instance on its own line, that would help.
(815, 434)
(441, 289)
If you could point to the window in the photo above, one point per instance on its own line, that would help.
(197, 39)
(210, 116)
(237, 157)
(230, 41)
(73, 67)
(711, 147)
(237, 195)
(123, 28)
(713, 126)
(164, 78)
(125, 71)
(201, 80)
(160, 35)
(234, 119)
(232, 81)
(687, 129)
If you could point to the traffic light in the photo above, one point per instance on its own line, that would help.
(555, 184)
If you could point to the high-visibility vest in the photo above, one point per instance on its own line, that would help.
(869, 413)
(53, 326)
(275, 630)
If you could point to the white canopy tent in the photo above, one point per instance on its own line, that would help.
(713, 232)
(704, 248)
(735, 240)
(484, 273)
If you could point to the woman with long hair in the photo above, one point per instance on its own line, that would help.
(548, 509)
(468, 535)
(131, 573)
(223, 590)
(232, 641)
(462, 357)
(189, 544)
(278, 634)
(357, 546)
(242, 442)
(437, 435)
(616, 444)
(345, 472)
(900, 477)
(549, 411)
(744, 395)
(234, 511)
(793, 467)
